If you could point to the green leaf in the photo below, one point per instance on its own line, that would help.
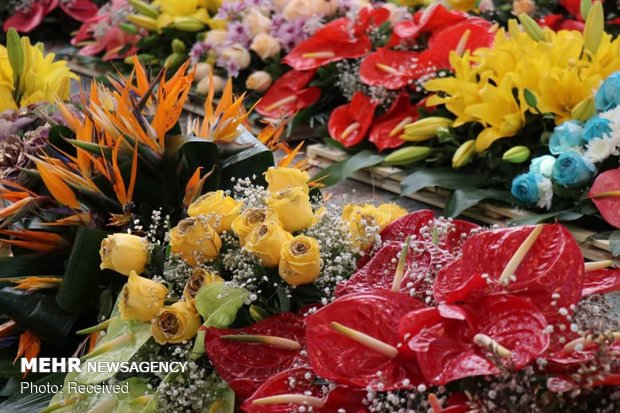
(218, 304)
(37, 312)
(530, 98)
(342, 170)
(441, 177)
(32, 402)
(32, 264)
(532, 219)
(614, 243)
(141, 333)
(464, 198)
(78, 288)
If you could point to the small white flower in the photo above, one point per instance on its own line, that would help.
(545, 189)
(599, 149)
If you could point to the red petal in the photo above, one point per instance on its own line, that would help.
(80, 10)
(334, 38)
(288, 86)
(26, 23)
(429, 20)
(384, 124)
(370, 17)
(443, 339)
(245, 366)
(397, 70)
(378, 273)
(409, 225)
(601, 282)
(553, 265)
(359, 111)
(573, 6)
(609, 207)
(552, 21)
(338, 358)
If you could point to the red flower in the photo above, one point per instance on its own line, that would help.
(552, 265)
(605, 193)
(334, 41)
(387, 129)
(388, 68)
(28, 20)
(451, 342)
(303, 385)
(601, 282)
(289, 95)
(429, 20)
(246, 365)
(336, 356)
(557, 22)
(349, 123)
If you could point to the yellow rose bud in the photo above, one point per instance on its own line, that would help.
(395, 211)
(176, 323)
(283, 178)
(292, 207)
(219, 210)
(247, 221)
(300, 261)
(199, 278)
(141, 298)
(194, 241)
(124, 253)
(266, 242)
(365, 221)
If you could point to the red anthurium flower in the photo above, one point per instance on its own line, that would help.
(542, 263)
(80, 10)
(349, 123)
(452, 342)
(605, 193)
(353, 341)
(370, 17)
(601, 282)
(331, 43)
(388, 68)
(558, 22)
(247, 357)
(387, 128)
(286, 391)
(434, 17)
(288, 95)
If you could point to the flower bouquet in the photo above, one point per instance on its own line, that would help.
(279, 302)
(114, 158)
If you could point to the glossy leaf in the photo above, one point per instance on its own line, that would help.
(440, 177)
(218, 303)
(340, 171)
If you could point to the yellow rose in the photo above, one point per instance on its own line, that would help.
(265, 46)
(292, 207)
(259, 81)
(219, 210)
(395, 211)
(176, 323)
(194, 241)
(365, 221)
(266, 241)
(199, 277)
(141, 298)
(246, 222)
(300, 261)
(124, 253)
(283, 178)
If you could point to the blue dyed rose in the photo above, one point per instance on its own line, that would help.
(565, 137)
(525, 188)
(543, 165)
(608, 95)
(572, 169)
(596, 127)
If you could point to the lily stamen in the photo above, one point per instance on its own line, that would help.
(484, 341)
(365, 340)
(401, 126)
(291, 399)
(280, 103)
(259, 339)
(519, 255)
(460, 48)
